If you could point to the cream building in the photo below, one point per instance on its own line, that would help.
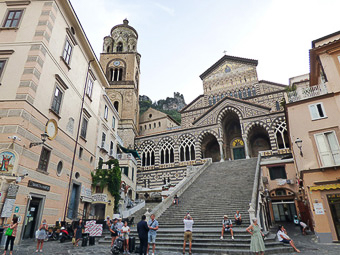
(154, 121)
(313, 118)
(51, 81)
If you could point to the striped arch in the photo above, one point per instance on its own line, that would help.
(187, 147)
(204, 133)
(280, 133)
(227, 109)
(254, 124)
(166, 150)
(147, 153)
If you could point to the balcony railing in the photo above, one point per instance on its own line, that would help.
(119, 140)
(305, 93)
(104, 146)
(126, 156)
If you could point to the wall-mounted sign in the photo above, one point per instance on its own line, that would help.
(12, 191)
(16, 210)
(38, 185)
(7, 209)
(99, 198)
(318, 208)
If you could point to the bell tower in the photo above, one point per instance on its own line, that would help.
(121, 64)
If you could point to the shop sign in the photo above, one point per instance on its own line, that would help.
(38, 185)
(99, 198)
(318, 208)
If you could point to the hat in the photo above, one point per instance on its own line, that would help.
(225, 216)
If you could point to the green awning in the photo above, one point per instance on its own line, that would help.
(133, 152)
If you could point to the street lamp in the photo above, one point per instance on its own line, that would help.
(43, 140)
(298, 143)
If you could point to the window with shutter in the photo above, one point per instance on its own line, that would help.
(328, 147)
(317, 111)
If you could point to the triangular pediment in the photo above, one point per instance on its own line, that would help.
(229, 65)
(244, 108)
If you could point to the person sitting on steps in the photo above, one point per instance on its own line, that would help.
(227, 227)
(238, 218)
(284, 238)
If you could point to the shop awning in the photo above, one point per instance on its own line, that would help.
(133, 152)
(326, 187)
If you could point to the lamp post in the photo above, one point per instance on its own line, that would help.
(43, 140)
(298, 143)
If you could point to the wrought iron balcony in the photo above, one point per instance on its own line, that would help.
(126, 156)
(305, 93)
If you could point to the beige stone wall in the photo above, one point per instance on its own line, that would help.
(34, 66)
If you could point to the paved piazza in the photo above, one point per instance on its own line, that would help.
(307, 245)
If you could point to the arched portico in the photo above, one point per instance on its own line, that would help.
(258, 140)
(233, 144)
(210, 147)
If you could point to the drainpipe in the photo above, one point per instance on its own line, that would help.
(77, 138)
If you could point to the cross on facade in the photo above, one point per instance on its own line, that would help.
(225, 52)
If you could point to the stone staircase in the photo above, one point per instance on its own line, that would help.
(222, 188)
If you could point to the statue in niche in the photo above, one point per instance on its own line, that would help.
(70, 125)
(7, 161)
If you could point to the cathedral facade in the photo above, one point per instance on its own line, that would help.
(237, 116)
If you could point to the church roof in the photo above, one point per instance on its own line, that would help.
(192, 102)
(227, 57)
(273, 83)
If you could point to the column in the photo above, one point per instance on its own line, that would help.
(221, 150)
(246, 149)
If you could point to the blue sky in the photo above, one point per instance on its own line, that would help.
(180, 39)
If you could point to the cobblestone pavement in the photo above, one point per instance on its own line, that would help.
(307, 244)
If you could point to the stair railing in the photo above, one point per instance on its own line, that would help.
(254, 204)
(179, 190)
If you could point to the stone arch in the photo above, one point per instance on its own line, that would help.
(209, 146)
(166, 148)
(229, 122)
(279, 128)
(120, 69)
(258, 138)
(187, 147)
(225, 111)
(147, 151)
(117, 100)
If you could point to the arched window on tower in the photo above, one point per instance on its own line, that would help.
(218, 98)
(254, 91)
(210, 101)
(249, 92)
(231, 94)
(214, 100)
(235, 94)
(277, 104)
(240, 94)
(120, 47)
(116, 105)
(244, 93)
(116, 74)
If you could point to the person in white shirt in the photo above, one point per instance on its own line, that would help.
(227, 227)
(126, 233)
(188, 222)
(303, 227)
(284, 238)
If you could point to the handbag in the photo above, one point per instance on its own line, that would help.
(73, 240)
(9, 232)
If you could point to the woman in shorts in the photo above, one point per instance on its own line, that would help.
(126, 233)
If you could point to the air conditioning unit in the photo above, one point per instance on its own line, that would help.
(265, 179)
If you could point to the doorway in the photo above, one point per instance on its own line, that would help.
(73, 205)
(284, 211)
(32, 217)
(238, 149)
(334, 205)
